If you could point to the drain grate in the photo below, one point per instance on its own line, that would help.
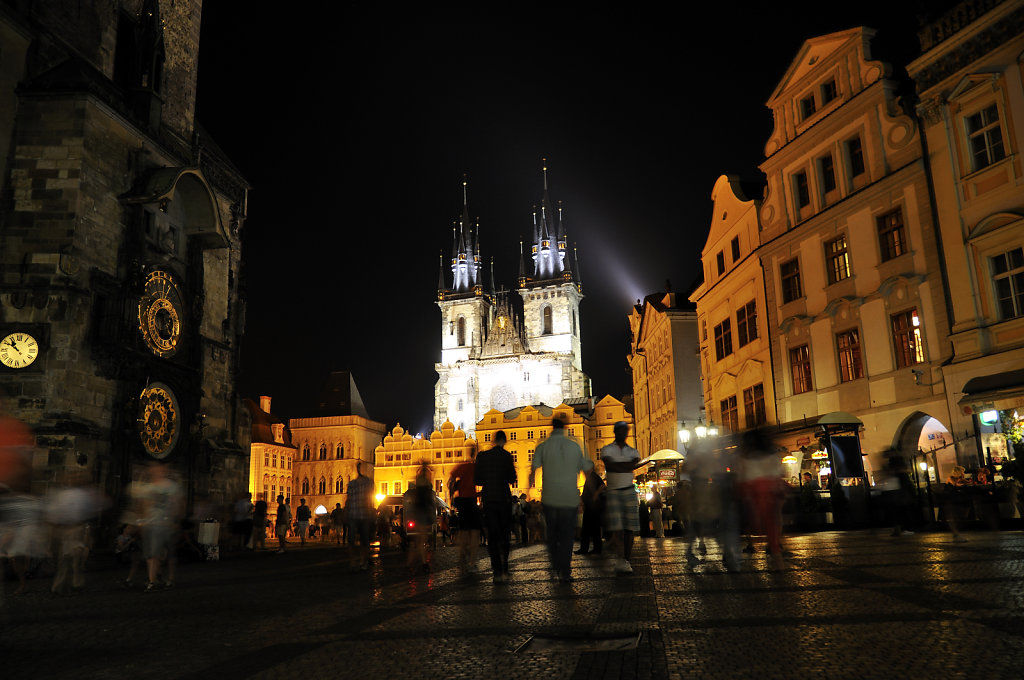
(579, 643)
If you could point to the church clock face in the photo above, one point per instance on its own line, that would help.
(160, 313)
(18, 350)
(159, 420)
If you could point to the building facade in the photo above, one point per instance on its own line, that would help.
(399, 457)
(968, 82)
(120, 249)
(665, 369)
(735, 352)
(501, 349)
(271, 456)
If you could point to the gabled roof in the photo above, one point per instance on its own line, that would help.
(262, 431)
(813, 53)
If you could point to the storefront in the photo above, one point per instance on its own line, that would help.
(996, 405)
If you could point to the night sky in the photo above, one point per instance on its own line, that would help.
(355, 126)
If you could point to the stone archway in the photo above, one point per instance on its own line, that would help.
(922, 437)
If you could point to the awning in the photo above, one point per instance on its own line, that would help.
(839, 418)
(998, 391)
(663, 454)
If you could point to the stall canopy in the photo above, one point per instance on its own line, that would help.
(663, 454)
(839, 418)
(998, 392)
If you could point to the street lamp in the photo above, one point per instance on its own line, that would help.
(701, 429)
(684, 435)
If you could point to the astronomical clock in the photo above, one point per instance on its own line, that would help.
(161, 313)
(159, 420)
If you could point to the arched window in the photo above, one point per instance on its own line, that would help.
(305, 486)
(462, 331)
(339, 486)
(339, 451)
(305, 452)
(322, 487)
(546, 321)
(323, 452)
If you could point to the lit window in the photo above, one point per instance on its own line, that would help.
(790, 275)
(800, 366)
(906, 338)
(746, 323)
(1008, 274)
(266, 459)
(529, 434)
(753, 406)
(514, 435)
(723, 340)
(838, 257)
(487, 436)
(892, 237)
(322, 486)
(305, 486)
(985, 137)
(398, 488)
(273, 460)
(384, 488)
(848, 345)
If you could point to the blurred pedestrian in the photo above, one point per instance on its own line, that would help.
(241, 521)
(360, 513)
(163, 509)
(593, 513)
(71, 510)
(260, 524)
(699, 502)
(338, 523)
(385, 525)
(302, 516)
(517, 517)
(622, 508)
(562, 461)
(282, 522)
(495, 474)
(655, 505)
(462, 489)
(523, 519)
(420, 515)
(763, 485)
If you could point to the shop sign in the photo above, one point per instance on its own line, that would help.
(803, 441)
(819, 455)
(667, 473)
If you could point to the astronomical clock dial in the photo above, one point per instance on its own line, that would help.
(161, 313)
(159, 420)
(18, 350)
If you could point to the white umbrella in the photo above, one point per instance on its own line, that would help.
(663, 454)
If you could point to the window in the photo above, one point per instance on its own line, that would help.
(837, 257)
(529, 434)
(720, 262)
(735, 244)
(447, 454)
(462, 331)
(730, 417)
(339, 451)
(546, 313)
(266, 459)
(723, 340)
(746, 323)
(438, 487)
(790, 273)
(827, 172)
(305, 452)
(807, 108)
(801, 190)
(323, 452)
(1008, 274)
(322, 486)
(458, 405)
(703, 329)
(305, 486)
(828, 91)
(543, 434)
(273, 460)
(855, 157)
(487, 436)
(906, 338)
(892, 238)
(339, 485)
(800, 365)
(848, 345)
(753, 406)
(384, 488)
(398, 488)
(514, 435)
(985, 138)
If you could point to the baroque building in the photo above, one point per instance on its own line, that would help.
(500, 350)
(665, 370)
(271, 457)
(120, 248)
(970, 98)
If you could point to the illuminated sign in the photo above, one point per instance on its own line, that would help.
(989, 417)
(819, 455)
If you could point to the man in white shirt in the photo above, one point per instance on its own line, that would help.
(622, 506)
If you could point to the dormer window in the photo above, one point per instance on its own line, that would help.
(829, 92)
(807, 107)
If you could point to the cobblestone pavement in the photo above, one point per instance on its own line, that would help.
(849, 605)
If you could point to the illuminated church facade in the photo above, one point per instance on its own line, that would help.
(502, 349)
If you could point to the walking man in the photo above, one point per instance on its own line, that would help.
(282, 522)
(302, 515)
(621, 502)
(337, 522)
(359, 510)
(495, 475)
(562, 460)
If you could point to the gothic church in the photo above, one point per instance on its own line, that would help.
(500, 351)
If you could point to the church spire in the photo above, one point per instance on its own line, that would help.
(548, 246)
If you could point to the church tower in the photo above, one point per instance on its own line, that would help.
(552, 294)
(466, 311)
